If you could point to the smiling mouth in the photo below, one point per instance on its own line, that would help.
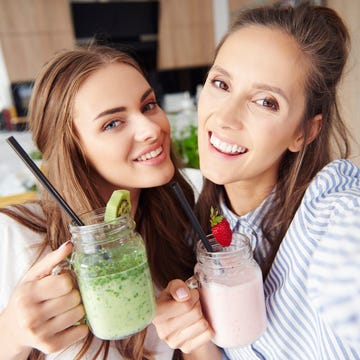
(226, 148)
(151, 154)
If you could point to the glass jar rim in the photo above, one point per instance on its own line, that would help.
(240, 245)
(94, 219)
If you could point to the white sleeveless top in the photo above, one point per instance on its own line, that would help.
(17, 251)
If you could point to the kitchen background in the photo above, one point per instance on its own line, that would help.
(173, 39)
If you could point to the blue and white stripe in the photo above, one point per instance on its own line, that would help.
(313, 288)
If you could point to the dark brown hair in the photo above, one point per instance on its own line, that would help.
(159, 218)
(323, 40)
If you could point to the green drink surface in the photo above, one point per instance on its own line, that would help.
(117, 293)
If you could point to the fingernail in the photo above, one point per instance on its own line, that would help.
(181, 293)
(64, 244)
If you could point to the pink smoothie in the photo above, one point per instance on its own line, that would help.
(235, 308)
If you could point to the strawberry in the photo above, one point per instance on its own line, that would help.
(220, 228)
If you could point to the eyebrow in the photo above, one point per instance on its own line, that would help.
(221, 70)
(274, 89)
(261, 86)
(122, 108)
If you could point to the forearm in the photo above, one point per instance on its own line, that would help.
(208, 351)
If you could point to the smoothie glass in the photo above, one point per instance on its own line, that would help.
(231, 291)
(110, 263)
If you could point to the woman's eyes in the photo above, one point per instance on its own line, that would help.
(113, 124)
(150, 106)
(268, 103)
(220, 84)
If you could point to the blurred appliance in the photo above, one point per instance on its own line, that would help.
(21, 92)
(127, 25)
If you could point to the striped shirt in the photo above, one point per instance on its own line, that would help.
(312, 291)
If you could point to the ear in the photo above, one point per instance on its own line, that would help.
(314, 125)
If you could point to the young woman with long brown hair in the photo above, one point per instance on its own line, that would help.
(273, 150)
(95, 118)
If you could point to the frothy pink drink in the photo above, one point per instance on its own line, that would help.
(231, 292)
(235, 308)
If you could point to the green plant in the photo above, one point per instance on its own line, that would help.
(31, 185)
(187, 147)
(35, 155)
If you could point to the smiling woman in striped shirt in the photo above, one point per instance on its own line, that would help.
(268, 116)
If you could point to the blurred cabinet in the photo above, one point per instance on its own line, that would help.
(236, 5)
(30, 32)
(185, 33)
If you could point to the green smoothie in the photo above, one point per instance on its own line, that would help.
(117, 291)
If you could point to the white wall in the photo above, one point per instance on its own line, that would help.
(350, 11)
(221, 18)
(5, 90)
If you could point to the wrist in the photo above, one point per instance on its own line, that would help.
(207, 351)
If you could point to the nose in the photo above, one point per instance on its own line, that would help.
(232, 113)
(146, 130)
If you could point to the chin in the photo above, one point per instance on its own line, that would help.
(162, 177)
(214, 176)
(170, 174)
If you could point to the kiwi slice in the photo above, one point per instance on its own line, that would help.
(118, 204)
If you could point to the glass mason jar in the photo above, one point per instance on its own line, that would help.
(231, 291)
(110, 263)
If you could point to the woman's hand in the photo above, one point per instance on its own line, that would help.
(42, 311)
(179, 321)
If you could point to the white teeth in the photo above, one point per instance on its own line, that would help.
(150, 155)
(226, 147)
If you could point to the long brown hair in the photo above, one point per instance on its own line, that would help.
(159, 218)
(324, 40)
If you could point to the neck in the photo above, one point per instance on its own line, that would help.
(107, 190)
(244, 197)
(134, 198)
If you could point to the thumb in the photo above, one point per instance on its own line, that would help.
(44, 267)
(178, 290)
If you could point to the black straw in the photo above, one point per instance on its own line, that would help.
(190, 213)
(42, 179)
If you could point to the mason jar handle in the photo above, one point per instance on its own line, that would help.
(192, 282)
(62, 266)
